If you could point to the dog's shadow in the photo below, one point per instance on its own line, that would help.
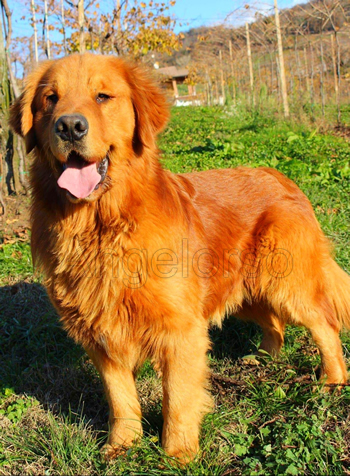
(235, 339)
(38, 359)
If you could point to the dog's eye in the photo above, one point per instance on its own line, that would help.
(101, 97)
(53, 98)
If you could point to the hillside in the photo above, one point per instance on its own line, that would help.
(303, 23)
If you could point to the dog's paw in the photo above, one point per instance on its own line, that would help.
(251, 359)
(109, 452)
(180, 459)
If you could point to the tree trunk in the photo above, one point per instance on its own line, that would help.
(119, 34)
(297, 61)
(272, 84)
(47, 37)
(2, 202)
(339, 75)
(210, 89)
(7, 92)
(278, 74)
(251, 76)
(222, 79)
(217, 92)
(335, 71)
(307, 73)
(4, 102)
(100, 43)
(232, 74)
(8, 14)
(281, 62)
(323, 96)
(9, 171)
(81, 26)
(91, 38)
(32, 7)
(21, 165)
(312, 88)
(63, 22)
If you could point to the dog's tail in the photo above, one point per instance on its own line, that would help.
(339, 292)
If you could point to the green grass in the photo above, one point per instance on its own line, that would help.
(15, 261)
(269, 419)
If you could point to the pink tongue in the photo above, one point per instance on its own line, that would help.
(79, 179)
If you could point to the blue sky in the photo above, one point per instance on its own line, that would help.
(193, 13)
(190, 13)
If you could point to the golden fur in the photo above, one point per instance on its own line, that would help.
(142, 266)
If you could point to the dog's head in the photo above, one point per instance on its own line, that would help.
(84, 114)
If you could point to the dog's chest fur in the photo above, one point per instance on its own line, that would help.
(86, 274)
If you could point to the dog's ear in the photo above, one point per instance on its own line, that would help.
(150, 105)
(22, 111)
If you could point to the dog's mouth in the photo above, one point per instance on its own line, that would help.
(81, 177)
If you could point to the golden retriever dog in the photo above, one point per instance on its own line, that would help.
(139, 262)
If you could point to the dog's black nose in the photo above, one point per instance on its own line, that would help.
(72, 127)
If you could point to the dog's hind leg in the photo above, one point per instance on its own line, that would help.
(272, 326)
(302, 284)
(273, 334)
(326, 336)
(315, 312)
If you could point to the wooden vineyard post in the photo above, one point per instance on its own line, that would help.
(281, 63)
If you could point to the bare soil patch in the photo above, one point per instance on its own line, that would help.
(14, 224)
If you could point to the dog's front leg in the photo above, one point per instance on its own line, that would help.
(185, 401)
(124, 407)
